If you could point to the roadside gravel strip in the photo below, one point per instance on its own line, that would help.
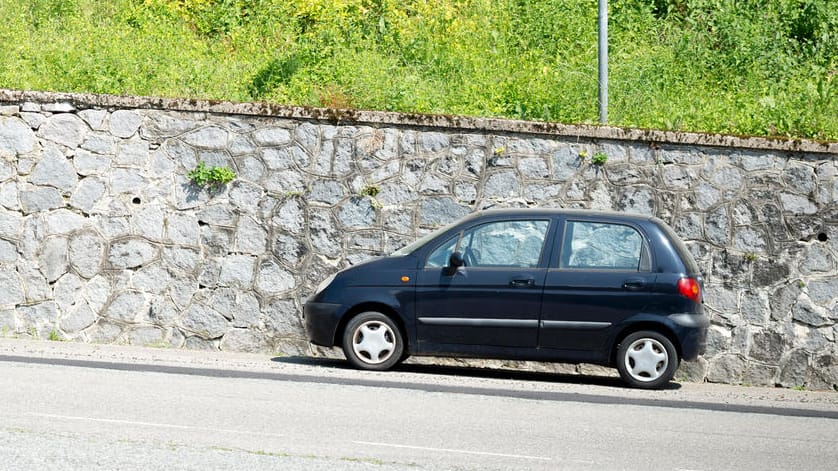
(425, 377)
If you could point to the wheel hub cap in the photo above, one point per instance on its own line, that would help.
(646, 359)
(373, 342)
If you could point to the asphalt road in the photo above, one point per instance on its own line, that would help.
(71, 406)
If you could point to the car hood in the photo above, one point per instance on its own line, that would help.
(407, 262)
(382, 271)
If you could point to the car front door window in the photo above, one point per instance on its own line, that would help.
(500, 244)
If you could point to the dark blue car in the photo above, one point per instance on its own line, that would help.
(523, 284)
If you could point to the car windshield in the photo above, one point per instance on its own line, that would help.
(410, 248)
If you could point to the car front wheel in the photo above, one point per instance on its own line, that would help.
(372, 341)
(647, 360)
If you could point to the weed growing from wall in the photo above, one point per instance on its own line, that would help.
(211, 177)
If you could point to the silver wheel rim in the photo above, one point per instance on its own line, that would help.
(374, 342)
(646, 359)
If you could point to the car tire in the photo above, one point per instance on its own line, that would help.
(646, 359)
(372, 341)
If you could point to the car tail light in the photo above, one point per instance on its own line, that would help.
(690, 289)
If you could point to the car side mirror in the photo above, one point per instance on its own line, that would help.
(455, 261)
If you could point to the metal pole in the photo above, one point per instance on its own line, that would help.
(603, 61)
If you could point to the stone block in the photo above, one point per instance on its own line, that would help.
(100, 143)
(289, 249)
(145, 336)
(326, 191)
(124, 123)
(244, 340)
(127, 180)
(103, 331)
(78, 319)
(88, 163)
(767, 346)
(53, 169)
(94, 118)
(210, 137)
(54, 258)
(237, 271)
(758, 374)
(817, 259)
(89, 191)
(726, 368)
(639, 200)
(440, 211)
(127, 307)
(797, 204)
(131, 253)
(272, 136)
(65, 129)
(40, 199)
(204, 321)
(134, 153)
(273, 279)
(692, 371)
(282, 319)
(63, 222)
(85, 253)
(41, 317)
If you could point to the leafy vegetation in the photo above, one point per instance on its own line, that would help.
(211, 177)
(370, 190)
(757, 67)
(600, 158)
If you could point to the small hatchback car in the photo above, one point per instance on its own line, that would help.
(523, 284)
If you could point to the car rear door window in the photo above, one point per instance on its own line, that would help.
(602, 245)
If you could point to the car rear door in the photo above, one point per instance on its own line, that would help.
(600, 275)
(494, 300)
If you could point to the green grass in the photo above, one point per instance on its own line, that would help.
(753, 67)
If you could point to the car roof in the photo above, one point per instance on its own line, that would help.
(501, 212)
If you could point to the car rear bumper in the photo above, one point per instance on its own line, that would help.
(692, 331)
(321, 322)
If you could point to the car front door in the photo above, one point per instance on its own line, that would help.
(494, 299)
(601, 275)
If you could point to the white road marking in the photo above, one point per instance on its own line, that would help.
(151, 424)
(448, 450)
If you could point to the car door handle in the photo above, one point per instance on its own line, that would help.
(634, 285)
(522, 283)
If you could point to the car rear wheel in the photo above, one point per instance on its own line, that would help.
(647, 359)
(372, 341)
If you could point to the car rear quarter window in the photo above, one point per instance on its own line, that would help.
(602, 245)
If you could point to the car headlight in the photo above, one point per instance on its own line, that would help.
(324, 284)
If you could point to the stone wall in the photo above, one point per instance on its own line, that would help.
(104, 239)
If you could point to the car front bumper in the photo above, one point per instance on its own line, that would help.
(321, 322)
